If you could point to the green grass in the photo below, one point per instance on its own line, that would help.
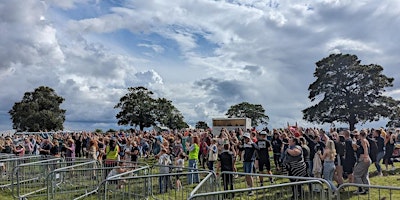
(386, 180)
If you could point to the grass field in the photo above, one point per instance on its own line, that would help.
(389, 179)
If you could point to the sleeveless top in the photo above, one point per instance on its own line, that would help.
(194, 155)
(360, 149)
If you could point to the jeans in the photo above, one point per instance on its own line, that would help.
(163, 182)
(309, 165)
(328, 172)
(210, 165)
(193, 178)
(379, 157)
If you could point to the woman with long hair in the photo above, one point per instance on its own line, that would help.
(193, 156)
(389, 147)
(329, 163)
(93, 149)
(112, 150)
(70, 150)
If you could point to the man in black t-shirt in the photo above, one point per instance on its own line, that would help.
(226, 163)
(45, 148)
(263, 156)
(380, 142)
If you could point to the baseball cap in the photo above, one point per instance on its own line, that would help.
(263, 133)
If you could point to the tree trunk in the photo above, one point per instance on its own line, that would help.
(352, 122)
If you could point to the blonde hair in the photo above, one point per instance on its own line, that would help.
(331, 146)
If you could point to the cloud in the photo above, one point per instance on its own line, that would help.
(149, 77)
(263, 52)
(345, 45)
(26, 37)
(155, 48)
(66, 4)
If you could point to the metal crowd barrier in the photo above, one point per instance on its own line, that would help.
(347, 191)
(7, 155)
(239, 184)
(278, 191)
(154, 186)
(29, 179)
(9, 164)
(209, 184)
(81, 182)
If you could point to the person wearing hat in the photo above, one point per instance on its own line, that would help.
(248, 159)
(263, 156)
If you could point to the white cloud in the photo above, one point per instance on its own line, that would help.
(345, 45)
(155, 48)
(66, 4)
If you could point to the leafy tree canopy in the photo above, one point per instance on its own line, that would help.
(139, 108)
(394, 119)
(202, 125)
(348, 92)
(255, 112)
(38, 110)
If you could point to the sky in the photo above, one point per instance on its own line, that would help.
(204, 55)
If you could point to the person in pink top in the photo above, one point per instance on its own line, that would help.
(19, 150)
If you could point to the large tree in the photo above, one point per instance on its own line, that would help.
(168, 115)
(38, 110)
(348, 92)
(255, 112)
(139, 108)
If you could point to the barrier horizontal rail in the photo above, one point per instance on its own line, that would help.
(374, 191)
(82, 182)
(3, 156)
(29, 180)
(240, 183)
(8, 164)
(278, 191)
(156, 186)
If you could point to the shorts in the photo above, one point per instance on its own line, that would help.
(348, 166)
(248, 167)
(262, 163)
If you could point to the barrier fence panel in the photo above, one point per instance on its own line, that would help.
(7, 165)
(237, 181)
(349, 190)
(82, 182)
(273, 192)
(29, 180)
(209, 184)
(6, 155)
(156, 186)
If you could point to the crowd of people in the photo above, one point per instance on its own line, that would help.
(300, 152)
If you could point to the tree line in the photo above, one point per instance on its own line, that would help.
(347, 92)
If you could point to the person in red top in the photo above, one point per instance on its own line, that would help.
(253, 136)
